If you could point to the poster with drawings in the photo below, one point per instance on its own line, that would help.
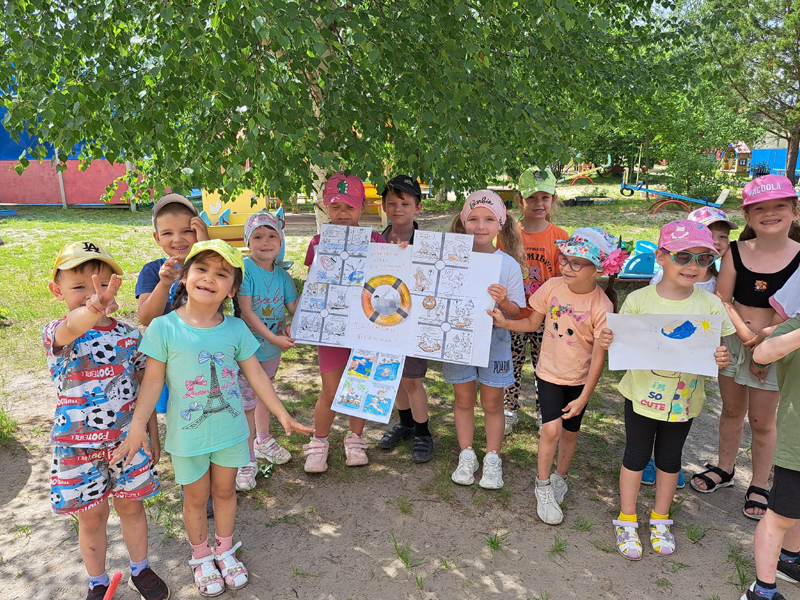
(369, 385)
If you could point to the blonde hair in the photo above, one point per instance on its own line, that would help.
(509, 238)
(554, 207)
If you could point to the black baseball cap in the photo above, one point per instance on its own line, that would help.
(404, 183)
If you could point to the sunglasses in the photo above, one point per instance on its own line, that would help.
(573, 264)
(683, 258)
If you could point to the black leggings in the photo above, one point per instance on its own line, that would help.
(640, 434)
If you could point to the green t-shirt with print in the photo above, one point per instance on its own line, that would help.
(787, 450)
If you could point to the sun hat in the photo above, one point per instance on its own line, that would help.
(684, 234)
(261, 218)
(404, 183)
(536, 180)
(486, 199)
(343, 188)
(76, 253)
(172, 199)
(768, 187)
(597, 245)
(710, 214)
(232, 255)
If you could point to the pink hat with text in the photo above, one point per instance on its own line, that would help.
(343, 188)
(685, 234)
(768, 187)
(486, 199)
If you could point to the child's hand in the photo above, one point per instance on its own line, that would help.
(200, 229)
(289, 425)
(155, 450)
(498, 293)
(103, 302)
(402, 245)
(722, 357)
(284, 342)
(497, 317)
(574, 408)
(136, 440)
(606, 338)
(169, 272)
(762, 335)
(758, 372)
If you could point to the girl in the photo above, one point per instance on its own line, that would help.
(573, 309)
(265, 291)
(343, 197)
(198, 350)
(685, 250)
(537, 199)
(751, 272)
(484, 216)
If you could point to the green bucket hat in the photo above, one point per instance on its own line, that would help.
(536, 180)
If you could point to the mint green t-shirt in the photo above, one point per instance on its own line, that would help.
(787, 450)
(204, 411)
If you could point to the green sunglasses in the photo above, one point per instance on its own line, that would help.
(683, 258)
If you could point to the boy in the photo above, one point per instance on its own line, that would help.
(94, 361)
(402, 201)
(777, 539)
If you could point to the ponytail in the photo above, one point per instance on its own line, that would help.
(456, 226)
(512, 244)
(611, 293)
(237, 309)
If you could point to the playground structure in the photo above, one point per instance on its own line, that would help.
(585, 173)
(735, 159)
(665, 198)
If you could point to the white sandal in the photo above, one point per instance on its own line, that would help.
(233, 571)
(628, 543)
(208, 580)
(660, 535)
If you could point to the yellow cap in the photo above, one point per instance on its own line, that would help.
(232, 255)
(77, 253)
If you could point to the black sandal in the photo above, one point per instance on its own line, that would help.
(755, 503)
(726, 479)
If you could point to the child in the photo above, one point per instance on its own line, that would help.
(265, 291)
(198, 350)
(343, 197)
(484, 217)
(777, 539)
(94, 361)
(719, 224)
(537, 199)
(685, 250)
(751, 272)
(573, 308)
(402, 201)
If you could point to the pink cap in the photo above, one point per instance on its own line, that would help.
(486, 199)
(343, 188)
(685, 234)
(768, 187)
(259, 219)
(710, 214)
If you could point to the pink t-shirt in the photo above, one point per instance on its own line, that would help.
(572, 322)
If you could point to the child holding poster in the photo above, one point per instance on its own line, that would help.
(573, 309)
(484, 217)
(660, 405)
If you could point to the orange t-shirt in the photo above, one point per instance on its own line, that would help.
(541, 253)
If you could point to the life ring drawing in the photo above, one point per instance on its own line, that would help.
(386, 300)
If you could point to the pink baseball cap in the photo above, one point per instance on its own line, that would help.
(710, 214)
(685, 234)
(258, 219)
(486, 199)
(768, 187)
(343, 188)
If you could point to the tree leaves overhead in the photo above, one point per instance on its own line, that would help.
(255, 94)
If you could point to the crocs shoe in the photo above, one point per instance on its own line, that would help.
(233, 571)
(246, 477)
(355, 450)
(272, 451)
(560, 487)
(628, 543)
(148, 585)
(681, 480)
(207, 577)
(661, 539)
(546, 505)
(511, 420)
(316, 453)
(649, 474)
(467, 465)
(492, 472)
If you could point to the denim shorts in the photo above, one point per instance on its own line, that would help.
(498, 373)
(189, 469)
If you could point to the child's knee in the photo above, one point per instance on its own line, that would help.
(128, 508)
(551, 430)
(94, 519)
(464, 402)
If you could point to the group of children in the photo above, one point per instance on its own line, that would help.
(212, 373)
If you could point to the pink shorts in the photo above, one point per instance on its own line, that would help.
(249, 397)
(332, 358)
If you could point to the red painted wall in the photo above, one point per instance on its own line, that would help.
(39, 183)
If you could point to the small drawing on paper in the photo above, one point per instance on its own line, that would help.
(451, 282)
(314, 296)
(457, 249)
(388, 367)
(352, 392)
(424, 279)
(462, 314)
(427, 246)
(354, 272)
(358, 239)
(459, 346)
(330, 269)
(361, 365)
(433, 309)
(332, 238)
(310, 326)
(377, 403)
(430, 340)
(337, 298)
(334, 330)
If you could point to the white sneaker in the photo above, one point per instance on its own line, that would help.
(546, 506)
(467, 465)
(560, 486)
(492, 471)
(511, 420)
(271, 451)
(246, 477)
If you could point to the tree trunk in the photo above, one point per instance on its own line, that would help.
(791, 156)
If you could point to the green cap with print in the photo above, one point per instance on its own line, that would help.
(536, 180)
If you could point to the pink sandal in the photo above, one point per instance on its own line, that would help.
(355, 450)
(233, 571)
(207, 578)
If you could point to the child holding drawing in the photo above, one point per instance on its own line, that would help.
(685, 251)
(573, 309)
(484, 217)
(343, 197)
